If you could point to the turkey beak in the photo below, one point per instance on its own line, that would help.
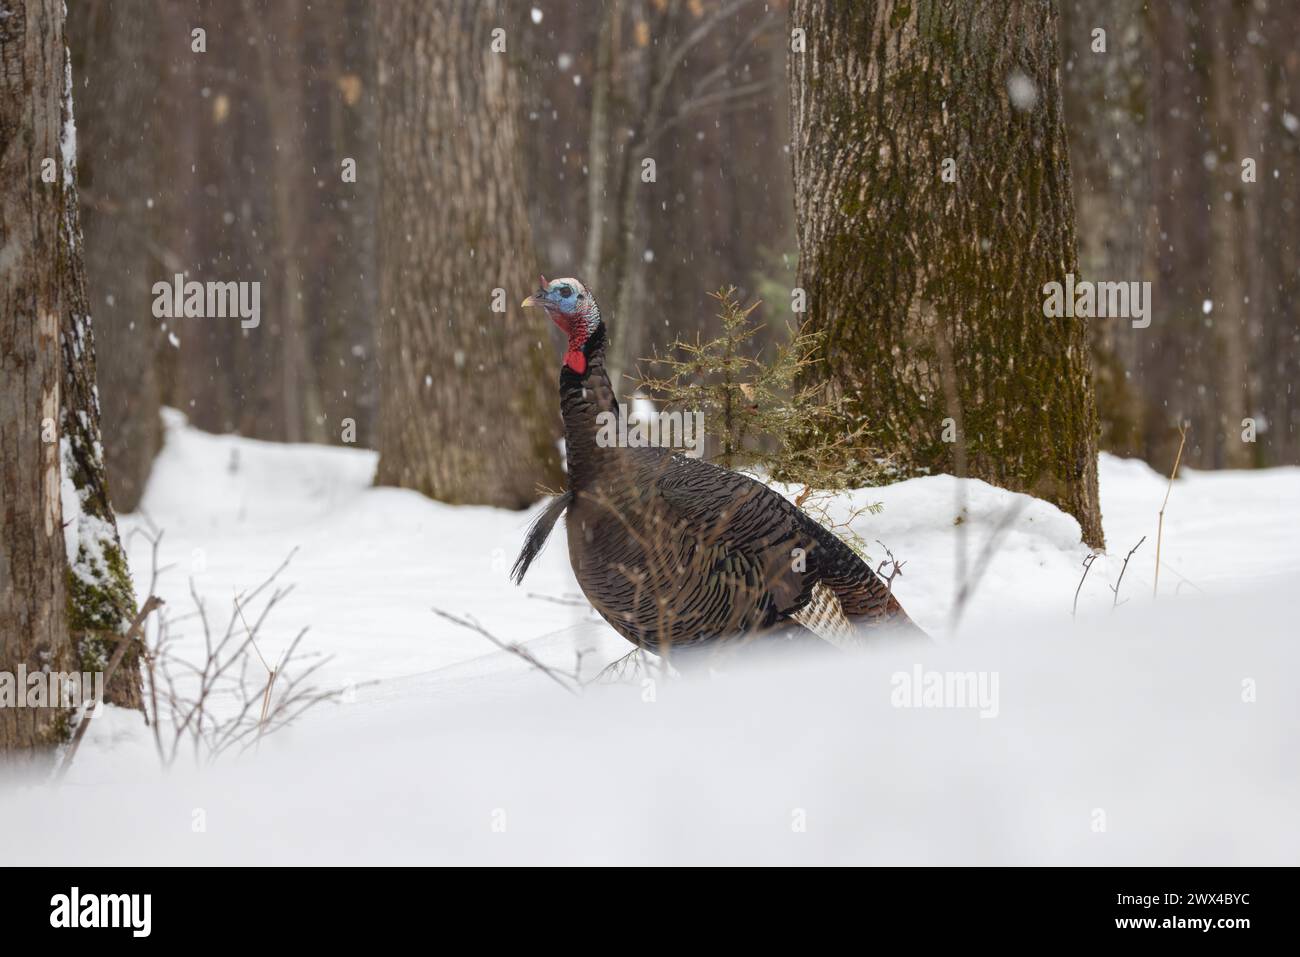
(536, 299)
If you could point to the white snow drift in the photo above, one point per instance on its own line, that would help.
(1151, 732)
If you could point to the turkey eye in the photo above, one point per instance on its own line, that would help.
(566, 291)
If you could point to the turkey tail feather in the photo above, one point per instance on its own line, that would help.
(824, 616)
(538, 533)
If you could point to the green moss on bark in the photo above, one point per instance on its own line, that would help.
(99, 606)
(929, 290)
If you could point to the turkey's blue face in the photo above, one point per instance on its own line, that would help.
(565, 295)
(572, 308)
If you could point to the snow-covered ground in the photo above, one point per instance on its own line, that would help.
(1155, 732)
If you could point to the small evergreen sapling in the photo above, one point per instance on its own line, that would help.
(757, 419)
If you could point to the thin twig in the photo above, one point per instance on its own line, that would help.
(1182, 579)
(517, 650)
(967, 587)
(1160, 525)
(239, 611)
(270, 672)
(124, 642)
(571, 602)
(223, 674)
(895, 570)
(1119, 581)
(952, 403)
(1087, 565)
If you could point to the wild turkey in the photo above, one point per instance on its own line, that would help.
(676, 553)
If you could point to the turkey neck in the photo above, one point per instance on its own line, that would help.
(582, 399)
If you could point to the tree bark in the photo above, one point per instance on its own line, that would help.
(469, 407)
(118, 140)
(1111, 155)
(212, 224)
(598, 141)
(1231, 373)
(1187, 90)
(902, 268)
(338, 87)
(280, 74)
(1274, 255)
(101, 599)
(33, 578)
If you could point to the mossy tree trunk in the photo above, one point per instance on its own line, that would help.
(64, 588)
(914, 279)
(33, 582)
(468, 396)
(101, 600)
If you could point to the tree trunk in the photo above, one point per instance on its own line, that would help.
(1184, 93)
(33, 583)
(118, 139)
(598, 142)
(469, 407)
(1111, 151)
(1278, 347)
(210, 222)
(101, 600)
(902, 268)
(1231, 395)
(280, 74)
(338, 87)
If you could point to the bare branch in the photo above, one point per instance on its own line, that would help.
(516, 650)
(1119, 581)
(123, 642)
(968, 586)
(1087, 566)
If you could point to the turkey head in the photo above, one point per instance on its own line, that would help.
(571, 307)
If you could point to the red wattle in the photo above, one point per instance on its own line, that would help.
(576, 361)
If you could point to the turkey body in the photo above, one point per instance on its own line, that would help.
(679, 554)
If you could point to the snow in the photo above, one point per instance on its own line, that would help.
(68, 137)
(84, 534)
(1022, 90)
(1172, 722)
